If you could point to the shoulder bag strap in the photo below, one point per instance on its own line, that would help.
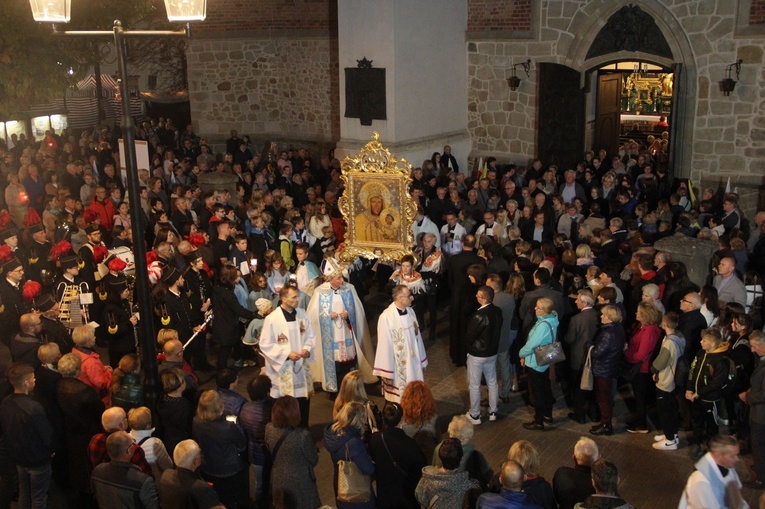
(279, 444)
(395, 464)
(144, 439)
(552, 331)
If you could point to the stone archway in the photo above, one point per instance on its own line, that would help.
(591, 19)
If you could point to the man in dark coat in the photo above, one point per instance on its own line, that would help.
(539, 230)
(28, 437)
(581, 330)
(13, 304)
(458, 284)
(573, 485)
(25, 344)
(182, 486)
(543, 289)
(177, 308)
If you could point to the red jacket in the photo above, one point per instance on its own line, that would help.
(95, 374)
(642, 346)
(105, 211)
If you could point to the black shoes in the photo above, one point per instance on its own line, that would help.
(504, 399)
(602, 429)
(534, 426)
(576, 418)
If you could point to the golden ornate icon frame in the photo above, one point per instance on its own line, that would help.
(376, 173)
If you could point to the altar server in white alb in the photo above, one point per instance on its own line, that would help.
(343, 341)
(401, 356)
(287, 342)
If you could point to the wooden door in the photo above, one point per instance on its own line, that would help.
(560, 137)
(607, 112)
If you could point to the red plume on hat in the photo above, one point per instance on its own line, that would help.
(197, 239)
(207, 269)
(5, 220)
(116, 264)
(151, 257)
(5, 253)
(31, 290)
(100, 253)
(90, 216)
(60, 250)
(32, 218)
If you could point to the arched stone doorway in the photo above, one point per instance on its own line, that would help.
(596, 45)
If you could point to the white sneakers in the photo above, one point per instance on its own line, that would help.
(662, 444)
(474, 420)
(492, 416)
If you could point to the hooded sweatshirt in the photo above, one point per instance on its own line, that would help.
(449, 486)
(665, 364)
(709, 373)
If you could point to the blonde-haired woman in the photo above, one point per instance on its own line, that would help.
(352, 391)
(538, 491)
(344, 441)
(542, 333)
(640, 350)
(223, 444)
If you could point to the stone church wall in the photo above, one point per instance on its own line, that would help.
(728, 133)
(267, 69)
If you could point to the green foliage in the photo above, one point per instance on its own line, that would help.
(34, 62)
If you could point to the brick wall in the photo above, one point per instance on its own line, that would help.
(242, 15)
(499, 15)
(757, 12)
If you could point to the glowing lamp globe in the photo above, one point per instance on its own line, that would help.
(186, 10)
(51, 11)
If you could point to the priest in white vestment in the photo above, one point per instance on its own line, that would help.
(401, 356)
(287, 342)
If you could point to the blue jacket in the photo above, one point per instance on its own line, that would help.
(542, 333)
(505, 499)
(356, 452)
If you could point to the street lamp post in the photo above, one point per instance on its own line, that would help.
(58, 11)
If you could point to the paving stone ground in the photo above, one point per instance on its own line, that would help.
(649, 479)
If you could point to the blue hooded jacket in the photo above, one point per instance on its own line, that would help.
(542, 333)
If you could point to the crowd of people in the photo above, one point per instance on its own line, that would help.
(550, 275)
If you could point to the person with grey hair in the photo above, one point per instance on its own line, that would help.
(119, 483)
(581, 331)
(81, 409)
(729, 287)
(182, 486)
(650, 294)
(572, 485)
(570, 188)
